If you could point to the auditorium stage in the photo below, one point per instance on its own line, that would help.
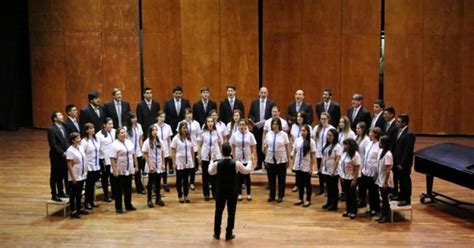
(24, 189)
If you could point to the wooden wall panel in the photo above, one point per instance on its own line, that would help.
(82, 16)
(442, 61)
(467, 90)
(47, 59)
(239, 48)
(282, 44)
(360, 51)
(321, 56)
(200, 48)
(162, 46)
(403, 82)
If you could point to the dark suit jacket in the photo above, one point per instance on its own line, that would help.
(306, 107)
(254, 113)
(89, 115)
(70, 127)
(200, 114)
(146, 116)
(404, 149)
(172, 118)
(57, 145)
(226, 113)
(392, 133)
(110, 111)
(362, 116)
(380, 122)
(334, 110)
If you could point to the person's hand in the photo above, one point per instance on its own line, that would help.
(384, 186)
(116, 174)
(152, 169)
(74, 181)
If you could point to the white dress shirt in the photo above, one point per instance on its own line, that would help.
(346, 165)
(328, 162)
(165, 133)
(105, 145)
(123, 153)
(242, 143)
(301, 162)
(210, 141)
(276, 147)
(184, 152)
(91, 148)
(384, 169)
(155, 155)
(79, 163)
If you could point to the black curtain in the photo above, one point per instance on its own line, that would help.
(15, 77)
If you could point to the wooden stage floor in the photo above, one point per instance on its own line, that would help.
(24, 189)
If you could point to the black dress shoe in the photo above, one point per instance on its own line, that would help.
(160, 202)
(383, 220)
(353, 216)
(270, 199)
(279, 200)
(76, 215)
(345, 214)
(307, 204)
(186, 199)
(229, 237)
(119, 211)
(56, 199)
(206, 198)
(325, 206)
(181, 200)
(95, 205)
(142, 192)
(107, 198)
(403, 203)
(62, 195)
(361, 205)
(131, 208)
(88, 206)
(216, 236)
(166, 188)
(300, 202)
(332, 208)
(83, 212)
(320, 192)
(150, 203)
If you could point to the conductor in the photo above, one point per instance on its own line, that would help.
(227, 188)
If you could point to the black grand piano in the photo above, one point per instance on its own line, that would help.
(448, 161)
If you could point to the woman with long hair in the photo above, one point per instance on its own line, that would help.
(77, 173)
(344, 129)
(295, 132)
(135, 135)
(153, 153)
(384, 176)
(348, 171)
(182, 153)
(220, 126)
(368, 173)
(209, 143)
(91, 147)
(321, 131)
(304, 149)
(165, 133)
(233, 125)
(106, 136)
(329, 169)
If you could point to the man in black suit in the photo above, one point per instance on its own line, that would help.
(92, 113)
(228, 105)
(202, 107)
(58, 144)
(357, 113)
(71, 123)
(117, 109)
(403, 158)
(260, 110)
(174, 108)
(330, 106)
(390, 126)
(378, 120)
(147, 111)
(299, 105)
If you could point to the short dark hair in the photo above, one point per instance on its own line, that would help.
(204, 88)
(226, 149)
(390, 110)
(230, 86)
(115, 90)
(54, 114)
(69, 107)
(328, 90)
(405, 119)
(146, 89)
(92, 95)
(358, 97)
(177, 88)
(188, 111)
(276, 121)
(380, 102)
(73, 136)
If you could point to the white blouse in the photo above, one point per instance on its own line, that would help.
(384, 169)
(321, 140)
(295, 131)
(242, 143)
(105, 145)
(165, 133)
(137, 135)
(91, 149)
(346, 165)
(328, 162)
(155, 155)
(210, 141)
(369, 164)
(194, 131)
(276, 147)
(268, 123)
(79, 161)
(342, 136)
(362, 148)
(303, 163)
(228, 131)
(184, 157)
(123, 153)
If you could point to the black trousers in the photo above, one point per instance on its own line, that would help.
(405, 185)
(332, 188)
(322, 184)
(123, 190)
(362, 189)
(138, 174)
(76, 195)
(92, 178)
(303, 181)
(104, 176)
(374, 196)
(258, 133)
(168, 164)
(385, 203)
(192, 174)
(182, 181)
(350, 196)
(207, 180)
(56, 177)
(154, 179)
(245, 178)
(396, 181)
(223, 198)
(276, 171)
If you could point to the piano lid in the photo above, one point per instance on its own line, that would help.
(450, 154)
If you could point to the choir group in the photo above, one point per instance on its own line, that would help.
(362, 159)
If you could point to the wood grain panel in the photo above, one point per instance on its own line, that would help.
(467, 90)
(120, 15)
(321, 56)
(47, 75)
(82, 15)
(403, 82)
(46, 15)
(239, 47)
(360, 51)
(443, 17)
(162, 46)
(83, 66)
(282, 44)
(468, 13)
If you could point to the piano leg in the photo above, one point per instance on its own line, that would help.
(429, 190)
